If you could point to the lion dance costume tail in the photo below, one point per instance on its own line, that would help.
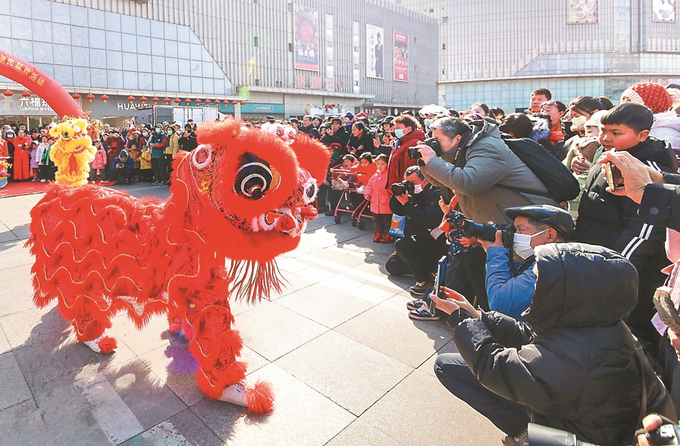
(240, 199)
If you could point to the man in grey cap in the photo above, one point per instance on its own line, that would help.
(510, 279)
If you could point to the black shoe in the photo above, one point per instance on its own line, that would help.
(423, 314)
(420, 288)
(415, 304)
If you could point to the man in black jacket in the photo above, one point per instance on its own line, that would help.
(613, 221)
(337, 133)
(423, 244)
(575, 369)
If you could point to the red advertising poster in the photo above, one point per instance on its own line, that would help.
(400, 57)
(306, 38)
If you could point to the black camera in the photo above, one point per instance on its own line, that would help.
(547, 436)
(402, 188)
(487, 231)
(414, 154)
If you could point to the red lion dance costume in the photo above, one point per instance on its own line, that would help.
(241, 198)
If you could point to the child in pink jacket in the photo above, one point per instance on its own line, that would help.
(377, 193)
(98, 163)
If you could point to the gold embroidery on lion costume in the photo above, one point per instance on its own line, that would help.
(72, 152)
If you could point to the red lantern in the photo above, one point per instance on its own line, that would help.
(143, 99)
(8, 93)
(166, 100)
(105, 98)
(208, 102)
(234, 102)
(75, 96)
(131, 98)
(187, 101)
(243, 102)
(177, 100)
(198, 101)
(90, 97)
(155, 100)
(26, 94)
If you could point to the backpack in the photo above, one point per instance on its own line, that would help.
(561, 184)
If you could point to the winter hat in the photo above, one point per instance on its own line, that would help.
(361, 115)
(348, 115)
(651, 95)
(595, 119)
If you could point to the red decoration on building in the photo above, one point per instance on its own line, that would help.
(198, 101)
(105, 98)
(75, 96)
(90, 97)
(177, 100)
(208, 102)
(234, 102)
(166, 100)
(8, 93)
(155, 99)
(187, 101)
(26, 94)
(143, 99)
(243, 102)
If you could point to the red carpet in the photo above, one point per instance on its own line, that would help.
(14, 188)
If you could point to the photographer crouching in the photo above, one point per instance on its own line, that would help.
(423, 245)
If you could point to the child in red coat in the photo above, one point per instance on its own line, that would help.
(377, 193)
(366, 168)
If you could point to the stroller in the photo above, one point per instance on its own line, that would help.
(343, 179)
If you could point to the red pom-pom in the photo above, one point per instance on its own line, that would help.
(260, 398)
(107, 344)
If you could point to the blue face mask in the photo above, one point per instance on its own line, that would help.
(399, 132)
(428, 122)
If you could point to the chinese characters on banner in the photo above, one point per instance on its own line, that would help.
(582, 11)
(400, 57)
(374, 51)
(300, 81)
(306, 38)
(330, 84)
(31, 73)
(315, 82)
(663, 10)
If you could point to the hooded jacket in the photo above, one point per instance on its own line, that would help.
(667, 127)
(487, 176)
(578, 370)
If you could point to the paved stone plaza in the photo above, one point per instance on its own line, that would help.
(347, 365)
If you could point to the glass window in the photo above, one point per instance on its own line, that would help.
(81, 76)
(170, 48)
(143, 27)
(196, 69)
(196, 52)
(81, 56)
(115, 79)
(113, 41)
(20, 8)
(47, 68)
(184, 50)
(129, 42)
(184, 69)
(129, 61)
(112, 21)
(130, 80)
(170, 31)
(22, 49)
(158, 64)
(158, 47)
(172, 83)
(128, 24)
(5, 27)
(196, 85)
(157, 29)
(114, 60)
(97, 58)
(206, 55)
(208, 69)
(60, 33)
(63, 74)
(96, 18)
(143, 45)
(184, 83)
(208, 87)
(159, 81)
(42, 52)
(21, 28)
(6, 44)
(193, 39)
(145, 82)
(97, 38)
(183, 33)
(79, 35)
(171, 65)
(144, 63)
(42, 31)
(62, 54)
(98, 78)
(60, 13)
(220, 87)
(4, 8)
(79, 16)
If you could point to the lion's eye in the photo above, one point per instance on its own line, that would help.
(65, 134)
(255, 177)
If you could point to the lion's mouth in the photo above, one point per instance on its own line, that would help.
(291, 221)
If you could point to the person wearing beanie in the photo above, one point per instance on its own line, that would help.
(348, 121)
(656, 98)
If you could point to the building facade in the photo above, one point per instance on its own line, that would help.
(276, 57)
(498, 51)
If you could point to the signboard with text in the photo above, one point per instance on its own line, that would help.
(306, 38)
(400, 57)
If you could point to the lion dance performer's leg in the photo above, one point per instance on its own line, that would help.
(215, 346)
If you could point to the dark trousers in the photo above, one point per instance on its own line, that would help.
(466, 274)
(454, 374)
(417, 256)
(168, 164)
(381, 223)
(159, 169)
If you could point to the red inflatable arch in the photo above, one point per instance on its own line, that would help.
(39, 83)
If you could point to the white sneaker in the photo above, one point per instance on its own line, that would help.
(235, 394)
(94, 344)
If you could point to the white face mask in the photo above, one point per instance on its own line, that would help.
(399, 132)
(521, 244)
(417, 188)
(578, 123)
